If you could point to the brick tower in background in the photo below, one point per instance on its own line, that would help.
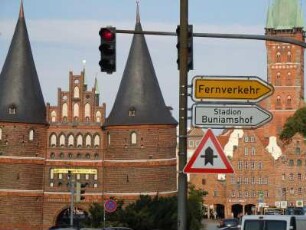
(285, 63)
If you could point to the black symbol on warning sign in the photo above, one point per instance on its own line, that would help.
(209, 156)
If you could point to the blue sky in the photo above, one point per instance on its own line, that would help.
(63, 33)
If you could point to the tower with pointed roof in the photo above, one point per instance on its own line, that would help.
(285, 67)
(140, 156)
(23, 130)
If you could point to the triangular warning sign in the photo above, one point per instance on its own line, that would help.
(209, 157)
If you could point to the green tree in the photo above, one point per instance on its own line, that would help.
(294, 124)
(149, 213)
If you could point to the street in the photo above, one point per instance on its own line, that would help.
(210, 224)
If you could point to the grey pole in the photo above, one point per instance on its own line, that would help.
(71, 182)
(183, 83)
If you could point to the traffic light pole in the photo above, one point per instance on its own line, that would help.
(183, 92)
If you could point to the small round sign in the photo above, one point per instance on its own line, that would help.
(110, 205)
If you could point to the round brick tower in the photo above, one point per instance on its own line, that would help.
(140, 156)
(23, 130)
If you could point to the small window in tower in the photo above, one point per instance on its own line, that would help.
(278, 100)
(12, 109)
(278, 57)
(288, 79)
(133, 138)
(289, 56)
(278, 79)
(31, 135)
(108, 138)
(289, 100)
(132, 112)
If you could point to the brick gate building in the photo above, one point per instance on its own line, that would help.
(131, 152)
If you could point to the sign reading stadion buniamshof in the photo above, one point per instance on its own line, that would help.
(220, 116)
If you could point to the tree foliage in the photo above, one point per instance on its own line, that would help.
(295, 124)
(149, 213)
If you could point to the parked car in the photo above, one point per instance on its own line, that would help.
(229, 223)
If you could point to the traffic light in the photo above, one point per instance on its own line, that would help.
(80, 190)
(108, 49)
(189, 47)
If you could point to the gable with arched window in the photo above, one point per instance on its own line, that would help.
(87, 110)
(76, 92)
(53, 116)
(65, 110)
(76, 110)
(98, 116)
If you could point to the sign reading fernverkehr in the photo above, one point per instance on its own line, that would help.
(227, 88)
(220, 116)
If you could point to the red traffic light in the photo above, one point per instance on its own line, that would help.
(107, 34)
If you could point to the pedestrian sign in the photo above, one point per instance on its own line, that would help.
(208, 157)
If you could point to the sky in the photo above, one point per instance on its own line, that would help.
(64, 33)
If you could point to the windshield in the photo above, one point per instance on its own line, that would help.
(264, 225)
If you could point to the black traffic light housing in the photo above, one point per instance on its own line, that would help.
(108, 49)
(189, 47)
(80, 191)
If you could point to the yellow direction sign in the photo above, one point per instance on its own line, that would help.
(75, 171)
(226, 88)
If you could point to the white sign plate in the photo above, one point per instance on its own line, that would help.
(220, 116)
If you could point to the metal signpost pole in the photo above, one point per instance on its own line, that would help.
(71, 182)
(182, 154)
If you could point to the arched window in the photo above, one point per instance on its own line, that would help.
(97, 140)
(65, 110)
(87, 110)
(79, 140)
(53, 140)
(0, 134)
(76, 92)
(53, 116)
(62, 140)
(31, 135)
(133, 137)
(71, 140)
(98, 116)
(76, 110)
(88, 140)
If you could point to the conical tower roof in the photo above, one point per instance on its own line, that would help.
(21, 99)
(285, 14)
(139, 99)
